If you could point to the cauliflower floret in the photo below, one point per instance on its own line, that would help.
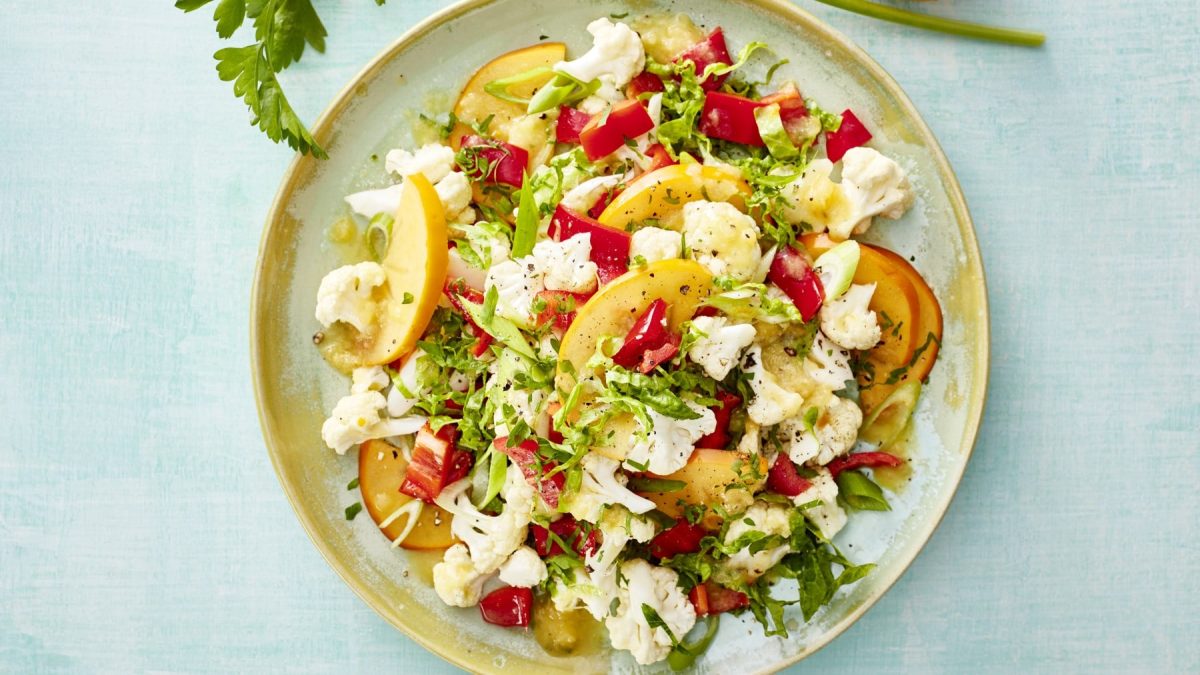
(454, 189)
(370, 203)
(847, 320)
(602, 486)
(584, 196)
(456, 580)
(828, 516)
(617, 527)
(523, 568)
(670, 441)
(434, 161)
(815, 199)
(828, 363)
(658, 589)
(718, 352)
(528, 405)
(833, 434)
(615, 58)
(371, 378)
(356, 418)
(770, 519)
(345, 295)
(591, 591)
(722, 238)
(517, 284)
(771, 403)
(490, 539)
(875, 186)
(567, 265)
(655, 244)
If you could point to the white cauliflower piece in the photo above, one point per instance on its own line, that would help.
(584, 196)
(454, 190)
(490, 539)
(771, 403)
(828, 363)
(591, 591)
(833, 434)
(345, 295)
(457, 268)
(602, 486)
(434, 161)
(719, 350)
(815, 199)
(875, 186)
(670, 442)
(517, 284)
(523, 568)
(371, 378)
(456, 580)
(722, 239)
(658, 589)
(528, 404)
(655, 244)
(566, 265)
(770, 519)
(615, 58)
(848, 322)
(617, 527)
(829, 517)
(370, 203)
(356, 418)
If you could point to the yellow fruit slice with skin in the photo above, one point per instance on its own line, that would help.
(381, 468)
(415, 266)
(660, 194)
(709, 477)
(474, 104)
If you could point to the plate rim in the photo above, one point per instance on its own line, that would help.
(322, 131)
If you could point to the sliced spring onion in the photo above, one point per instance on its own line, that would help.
(525, 233)
(836, 268)
(379, 233)
(561, 90)
(978, 31)
(497, 473)
(413, 510)
(860, 492)
(888, 420)
(655, 485)
(774, 136)
(499, 88)
(682, 657)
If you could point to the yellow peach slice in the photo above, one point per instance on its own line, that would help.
(659, 195)
(381, 468)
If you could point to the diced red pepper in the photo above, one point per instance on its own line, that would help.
(436, 463)
(610, 246)
(851, 134)
(525, 456)
(571, 122)
(711, 49)
(682, 537)
(710, 598)
(603, 202)
(504, 162)
(509, 606)
(653, 358)
(730, 117)
(791, 272)
(646, 338)
(566, 529)
(645, 82)
(707, 310)
(659, 157)
(792, 110)
(456, 291)
(784, 479)
(869, 460)
(560, 307)
(727, 402)
(605, 133)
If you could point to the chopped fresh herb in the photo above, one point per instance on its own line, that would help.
(353, 509)
(352, 484)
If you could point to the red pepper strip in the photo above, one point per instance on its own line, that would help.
(605, 133)
(436, 463)
(851, 134)
(862, 459)
(509, 606)
(567, 529)
(648, 332)
(505, 163)
(711, 49)
(645, 82)
(727, 402)
(784, 479)
(659, 157)
(603, 202)
(730, 117)
(710, 598)
(707, 310)
(571, 121)
(653, 358)
(682, 537)
(791, 272)
(610, 247)
(525, 456)
(560, 307)
(456, 291)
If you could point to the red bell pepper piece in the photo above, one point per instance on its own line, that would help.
(571, 121)
(560, 307)
(436, 463)
(730, 117)
(603, 202)
(791, 272)
(659, 157)
(710, 598)
(682, 537)
(649, 342)
(504, 162)
(707, 310)
(653, 358)
(792, 110)
(605, 133)
(645, 82)
(784, 479)
(727, 402)
(509, 606)
(610, 246)
(711, 49)
(567, 529)
(851, 134)
(456, 291)
(525, 456)
(869, 460)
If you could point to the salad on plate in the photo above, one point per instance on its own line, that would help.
(614, 348)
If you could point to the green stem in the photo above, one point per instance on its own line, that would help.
(954, 27)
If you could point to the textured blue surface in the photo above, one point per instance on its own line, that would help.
(141, 526)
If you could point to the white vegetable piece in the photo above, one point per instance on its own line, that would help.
(770, 519)
(848, 321)
(722, 239)
(875, 186)
(655, 244)
(370, 378)
(517, 284)
(658, 589)
(456, 580)
(670, 442)
(454, 190)
(345, 295)
(829, 517)
(720, 350)
(584, 196)
(567, 265)
(603, 486)
(771, 403)
(490, 540)
(615, 58)
(434, 161)
(833, 435)
(357, 418)
(370, 203)
(523, 568)
(836, 268)
(827, 363)
(406, 387)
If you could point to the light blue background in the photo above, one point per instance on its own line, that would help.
(141, 526)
